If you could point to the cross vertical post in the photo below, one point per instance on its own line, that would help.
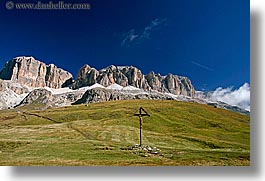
(140, 115)
(140, 130)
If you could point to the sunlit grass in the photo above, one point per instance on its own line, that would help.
(95, 134)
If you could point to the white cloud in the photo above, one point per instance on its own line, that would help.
(132, 37)
(129, 37)
(148, 30)
(239, 97)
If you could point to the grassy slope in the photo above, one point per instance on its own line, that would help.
(186, 134)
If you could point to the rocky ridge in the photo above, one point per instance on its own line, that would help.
(49, 97)
(102, 95)
(15, 87)
(30, 72)
(11, 93)
(29, 81)
(129, 75)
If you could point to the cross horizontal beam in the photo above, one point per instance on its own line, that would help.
(142, 115)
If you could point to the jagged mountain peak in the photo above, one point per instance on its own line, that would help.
(86, 66)
(117, 68)
(20, 58)
(131, 75)
(31, 72)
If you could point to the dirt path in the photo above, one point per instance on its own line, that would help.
(86, 135)
(47, 118)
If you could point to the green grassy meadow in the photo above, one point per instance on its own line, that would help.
(101, 133)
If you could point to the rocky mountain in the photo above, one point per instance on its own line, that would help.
(17, 88)
(123, 76)
(171, 83)
(37, 96)
(102, 95)
(11, 93)
(30, 72)
(29, 81)
(45, 97)
(129, 75)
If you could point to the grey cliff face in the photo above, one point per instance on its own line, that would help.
(86, 76)
(174, 84)
(99, 95)
(17, 88)
(112, 75)
(32, 73)
(102, 95)
(129, 75)
(45, 97)
(155, 81)
(178, 85)
(136, 78)
(37, 96)
(123, 76)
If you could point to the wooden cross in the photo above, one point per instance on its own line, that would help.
(141, 115)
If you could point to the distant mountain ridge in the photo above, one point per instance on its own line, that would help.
(31, 82)
(129, 75)
(33, 73)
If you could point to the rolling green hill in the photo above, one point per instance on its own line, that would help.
(103, 134)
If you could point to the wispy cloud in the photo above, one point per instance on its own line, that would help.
(129, 37)
(202, 66)
(153, 25)
(132, 37)
(239, 97)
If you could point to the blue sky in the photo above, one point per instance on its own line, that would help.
(205, 40)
